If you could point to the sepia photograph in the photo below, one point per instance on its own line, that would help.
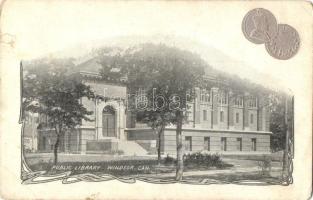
(156, 113)
(155, 100)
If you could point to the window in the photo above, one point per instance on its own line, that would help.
(251, 119)
(207, 97)
(253, 144)
(189, 116)
(252, 102)
(188, 96)
(223, 144)
(141, 98)
(206, 145)
(204, 115)
(44, 140)
(222, 98)
(204, 96)
(237, 118)
(239, 144)
(239, 101)
(188, 143)
(222, 116)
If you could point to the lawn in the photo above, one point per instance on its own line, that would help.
(121, 165)
(238, 177)
(196, 166)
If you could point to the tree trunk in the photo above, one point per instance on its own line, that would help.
(55, 149)
(179, 147)
(159, 143)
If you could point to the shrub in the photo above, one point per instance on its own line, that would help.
(169, 160)
(203, 159)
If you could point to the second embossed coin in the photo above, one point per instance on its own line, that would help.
(285, 44)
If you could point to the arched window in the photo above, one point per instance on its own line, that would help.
(108, 122)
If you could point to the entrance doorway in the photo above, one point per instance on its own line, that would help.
(108, 122)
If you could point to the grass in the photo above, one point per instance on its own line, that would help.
(196, 167)
(117, 167)
(237, 177)
(277, 157)
(121, 166)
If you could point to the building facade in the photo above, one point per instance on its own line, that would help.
(30, 136)
(217, 121)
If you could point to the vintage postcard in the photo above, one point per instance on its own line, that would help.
(156, 99)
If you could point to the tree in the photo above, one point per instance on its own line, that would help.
(51, 90)
(172, 73)
(157, 120)
(167, 74)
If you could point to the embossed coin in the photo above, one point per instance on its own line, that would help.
(259, 25)
(285, 44)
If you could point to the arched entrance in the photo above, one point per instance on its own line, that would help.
(108, 122)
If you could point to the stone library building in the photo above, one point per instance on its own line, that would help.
(217, 122)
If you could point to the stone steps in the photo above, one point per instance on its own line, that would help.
(131, 148)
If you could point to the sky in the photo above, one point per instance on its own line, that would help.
(211, 29)
(213, 56)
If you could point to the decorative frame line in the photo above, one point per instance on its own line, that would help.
(38, 177)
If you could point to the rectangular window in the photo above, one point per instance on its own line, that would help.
(239, 144)
(141, 97)
(225, 99)
(44, 140)
(222, 98)
(189, 116)
(207, 97)
(252, 102)
(188, 143)
(223, 144)
(253, 144)
(188, 96)
(202, 95)
(222, 116)
(251, 119)
(237, 118)
(239, 101)
(206, 143)
(204, 115)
